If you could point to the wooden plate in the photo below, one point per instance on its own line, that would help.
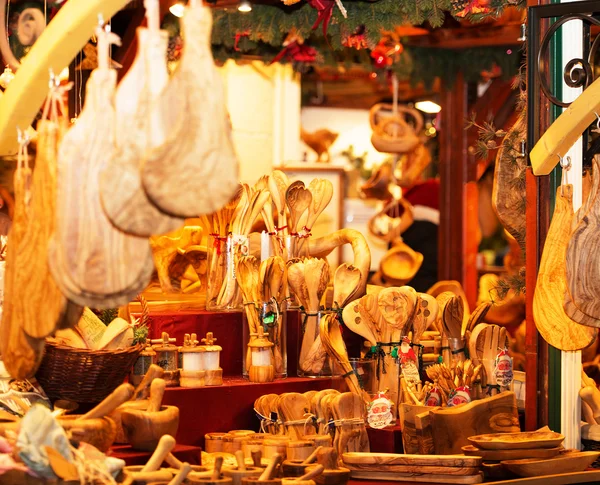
(500, 455)
(517, 441)
(568, 462)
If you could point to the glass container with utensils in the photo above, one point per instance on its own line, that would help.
(313, 360)
(223, 291)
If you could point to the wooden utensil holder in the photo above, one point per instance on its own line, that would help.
(326, 369)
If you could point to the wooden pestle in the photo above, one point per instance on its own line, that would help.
(173, 461)
(313, 456)
(114, 400)
(256, 457)
(313, 472)
(157, 391)
(143, 477)
(216, 473)
(241, 463)
(181, 476)
(164, 447)
(269, 472)
(328, 457)
(141, 391)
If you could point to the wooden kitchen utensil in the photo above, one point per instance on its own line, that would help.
(144, 428)
(271, 470)
(199, 173)
(332, 473)
(500, 455)
(518, 441)
(451, 427)
(241, 471)
(570, 461)
(583, 267)
(349, 412)
(346, 281)
(278, 184)
(358, 320)
(297, 198)
(552, 322)
(88, 265)
(293, 409)
(138, 128)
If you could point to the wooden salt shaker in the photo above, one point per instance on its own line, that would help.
(261, 367)
(192, 373)
(142, 364)
(241, 471)
(213, 442)
(167, 357)
(299, 450)
(213, 373)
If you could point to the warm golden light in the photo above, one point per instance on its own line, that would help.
(428, 107)
(177, 9)
(245, 6)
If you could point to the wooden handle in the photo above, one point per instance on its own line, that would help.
(155, 476)
(256, 456)
(216, 474)
(172, 460)
(164, 447)
(313, 472)
(270, 470)
(157, 391)
(239, 456)
(312, 457)
(181, 476)
(591, 396)
(141, 391)
(119, 396)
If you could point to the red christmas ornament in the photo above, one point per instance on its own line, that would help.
(475, 7)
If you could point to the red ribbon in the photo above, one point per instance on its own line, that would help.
(325, 11)
(238, 36)
(217, 242)
(296, 52)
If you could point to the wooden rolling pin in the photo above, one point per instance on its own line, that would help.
(141, 391)
(165, 445)
(591, 396)
(119, 396)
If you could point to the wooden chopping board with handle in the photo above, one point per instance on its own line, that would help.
(196, 171)
(137, 129)
(552, 322)
(452, 426)
(94, 263)
(21, 355)
(576, 291)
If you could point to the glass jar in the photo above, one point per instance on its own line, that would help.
(313, 360)
(223, 292)
(290, 251)
(365, 370)
(273, 318)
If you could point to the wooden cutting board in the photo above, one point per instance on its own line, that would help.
(416, 477)
(552, 322)
(196, 172)
(21, 355)
(421, 470)
(378, 459)
(582, 262)
(136, 131)
(38, 303)
(94, 263)
(508, 198)
(451, 427)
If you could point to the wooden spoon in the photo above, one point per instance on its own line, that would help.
(346, 282)
(359, 321)
(322, 193)
(294, 406)
(278, 184)
(298, 198)
(397, 306)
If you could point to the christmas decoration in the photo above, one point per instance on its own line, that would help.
(325, 11)
(474, 7)
(357, 40)
(296, 52)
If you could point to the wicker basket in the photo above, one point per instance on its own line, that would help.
(87, 376)
(82, 375)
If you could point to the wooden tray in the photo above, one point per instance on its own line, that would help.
(387, 459)
(415, 477)
(517, 441)
(500, 455)
(568, 462)
(419, 469)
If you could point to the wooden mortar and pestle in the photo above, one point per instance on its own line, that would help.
(151, 471)
(268, 475)
(332, 473)
(211, 478)
(306, 479)
(297, 468)
(178, 479)
(144, 428)
(242, 471)
(95, 427)
(139, 400)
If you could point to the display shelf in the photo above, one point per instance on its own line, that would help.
(231, 406)
(189, 454)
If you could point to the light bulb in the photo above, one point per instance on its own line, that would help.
(177, 9)
(428, 107)
(245, 6)
(6, 77)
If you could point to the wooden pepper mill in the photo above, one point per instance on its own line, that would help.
(261, 367)
(186, 342)
(142, 364)
(212, 353)
(192, 373)
(167, 356)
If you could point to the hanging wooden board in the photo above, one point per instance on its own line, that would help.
(550, 318)
(196, 171)
(58, 45)
(583, 261)
(94, 263)
(136, 130)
